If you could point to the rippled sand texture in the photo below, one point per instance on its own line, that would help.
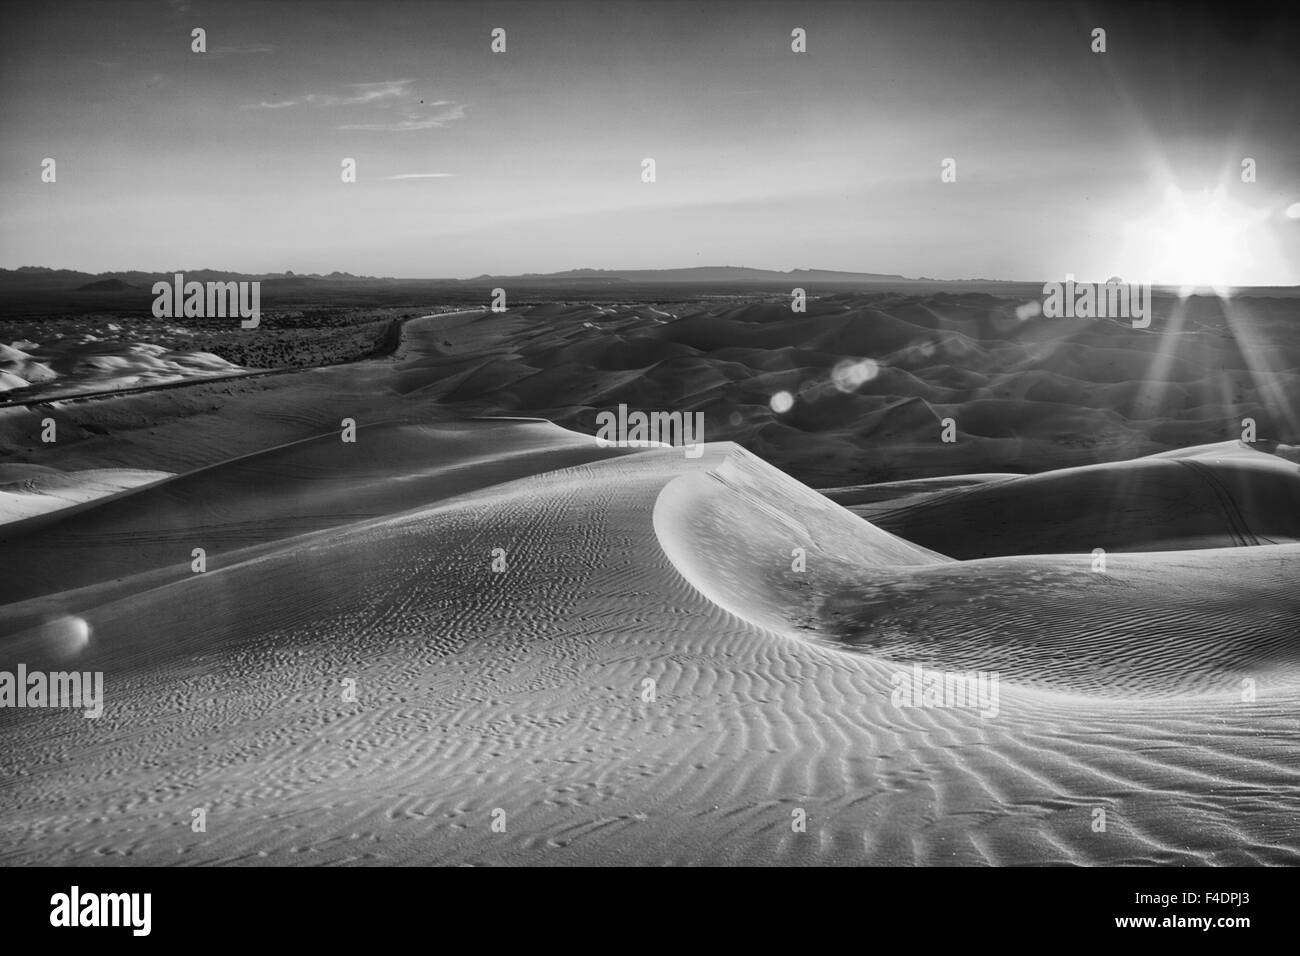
(526, 690)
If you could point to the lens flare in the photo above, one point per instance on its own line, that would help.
(64, 637)
(851, 374)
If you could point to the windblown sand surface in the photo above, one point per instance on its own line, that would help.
(525, 690)
(29, 490)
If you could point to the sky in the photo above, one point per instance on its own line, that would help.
(1067, 161)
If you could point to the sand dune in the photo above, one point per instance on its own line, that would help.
(523, 690)
(29, 490)
(1024, 395)
(86, 363)
(280, 493)
(637, 656)
(1206, 498)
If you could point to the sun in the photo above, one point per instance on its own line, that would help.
(1199, 240)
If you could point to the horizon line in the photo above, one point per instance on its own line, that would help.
(576, 273)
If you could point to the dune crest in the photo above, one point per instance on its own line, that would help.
(745, 534)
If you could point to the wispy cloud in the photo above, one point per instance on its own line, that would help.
(360, 95)
(363, 93)
(431, 116)
(402, 109)
(418, 176)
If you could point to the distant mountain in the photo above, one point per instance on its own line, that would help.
(712, 274)
(41, 279)
(38, 279)
(35, 278)
(106, 285)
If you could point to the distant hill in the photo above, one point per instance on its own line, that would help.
(41, 279)
(37, 278)
(106, 285)
(712, 274)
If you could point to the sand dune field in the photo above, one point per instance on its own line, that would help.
(475, 613)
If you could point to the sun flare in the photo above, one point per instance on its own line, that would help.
(1201, 240)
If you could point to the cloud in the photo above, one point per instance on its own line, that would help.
(402, 109)
(418, 176)
(407, 125)
(365, 93)
(427, 116)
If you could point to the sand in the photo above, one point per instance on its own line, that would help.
(88, 363)
(30, 490)
(525, 691)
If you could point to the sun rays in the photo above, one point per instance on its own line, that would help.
(1204, 239)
